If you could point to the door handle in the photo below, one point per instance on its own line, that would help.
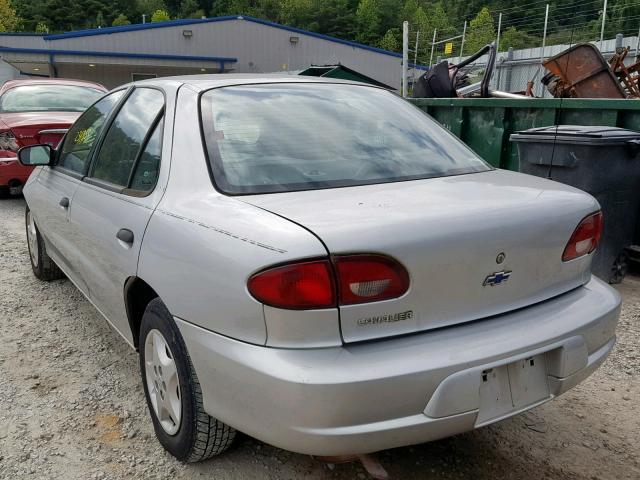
(125, 235)
(64, 202)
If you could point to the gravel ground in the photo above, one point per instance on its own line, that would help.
(74, 406)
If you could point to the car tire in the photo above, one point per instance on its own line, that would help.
(44, 268)
(4, 192)
(193, 435)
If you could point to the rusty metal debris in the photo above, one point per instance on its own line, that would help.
(628, 76)
(581, 72)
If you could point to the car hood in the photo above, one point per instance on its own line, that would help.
(448, 232)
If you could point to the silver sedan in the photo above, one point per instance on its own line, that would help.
(316, 263)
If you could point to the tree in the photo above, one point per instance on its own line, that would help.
(160, 16)
(480, 31)
(149, 7)
(100, 19)
(368, 21)
(188, 8)
(121, 20)
(9, 20)
(516, 39)
(42, 28)
(297, 13)
(390, 41)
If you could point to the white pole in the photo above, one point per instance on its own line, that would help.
(433, 44)
(638, 45)
(144, 18)
(415, 57)
(498, 37)
(544, 35)
(405, 56)
(604, 17)
(464, 33)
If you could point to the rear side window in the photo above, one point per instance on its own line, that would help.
(285, 137)
(82, 136)
(132, 142)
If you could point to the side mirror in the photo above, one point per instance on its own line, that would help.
(35, 155)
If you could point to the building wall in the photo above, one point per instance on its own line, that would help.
(258, 47)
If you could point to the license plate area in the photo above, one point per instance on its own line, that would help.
(509, 388)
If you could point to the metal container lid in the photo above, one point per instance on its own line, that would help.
(577, 134)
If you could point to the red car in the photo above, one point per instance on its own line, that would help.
(37, 111)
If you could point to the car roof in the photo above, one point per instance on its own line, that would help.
(49, 81)
(208, 81)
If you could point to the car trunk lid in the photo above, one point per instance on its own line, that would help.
(475, 245)
(33, 128)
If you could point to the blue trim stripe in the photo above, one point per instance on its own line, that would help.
(88, 53)
(176, 23)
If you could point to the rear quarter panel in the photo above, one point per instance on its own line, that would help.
(200, 246)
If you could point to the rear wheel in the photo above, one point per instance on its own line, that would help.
(4, 191)
(43, 267)
(173, 392)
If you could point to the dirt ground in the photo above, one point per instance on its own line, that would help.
(73, 406)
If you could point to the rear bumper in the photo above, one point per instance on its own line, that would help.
(368, 397)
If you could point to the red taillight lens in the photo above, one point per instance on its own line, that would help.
(308, 285)
(585, 238)
(301, 286)
(369, 278)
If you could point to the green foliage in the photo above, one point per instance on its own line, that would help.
(149, 7)
(516, 39)
(368, 17)
(120, 21)
(390, 41)
(100, 20)
(160, 16)
(42, 28)
(481, 31)
(189, 9)
(9, 20)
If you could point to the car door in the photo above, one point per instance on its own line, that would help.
(114, 202)
(56, 186)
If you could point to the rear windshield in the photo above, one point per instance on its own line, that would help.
(286, 137)
(52, 97)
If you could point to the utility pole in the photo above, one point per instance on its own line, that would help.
(405, 57)
(433, 44)
(544, 35)
(464, 34)
(415, 58)
(638, 46)
(604, 17)
(144, 18)
(498, 37)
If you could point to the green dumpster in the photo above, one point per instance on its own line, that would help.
(485, 124)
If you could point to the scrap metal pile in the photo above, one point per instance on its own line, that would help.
(582, 72)
(578, 72)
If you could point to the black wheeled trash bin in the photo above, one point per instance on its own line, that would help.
(603, 161)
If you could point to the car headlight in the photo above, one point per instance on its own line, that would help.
(8, 141)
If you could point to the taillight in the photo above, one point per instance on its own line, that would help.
(8, 141)
(370, 278)
(304, 285)
(317, 284)
(585, 238)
